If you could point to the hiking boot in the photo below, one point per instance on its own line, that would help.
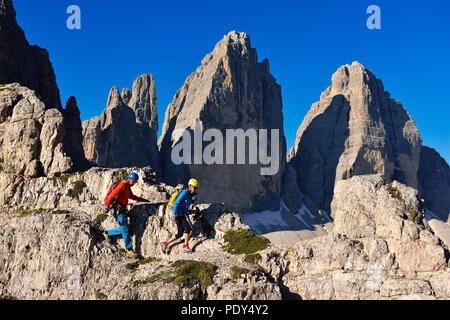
(132, 253)
(107, 238)
(164, 248)
(186, 249)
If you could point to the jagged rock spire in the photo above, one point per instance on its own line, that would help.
(125, 134)
(230, 90)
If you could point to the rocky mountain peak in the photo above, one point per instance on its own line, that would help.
(235, 40)
(143, 100)
(230, 90)
(25, 64)
(370, 133)
(114, 98)
(349, 78)
(71, 105)
(126, 95)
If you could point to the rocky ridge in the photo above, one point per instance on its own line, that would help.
(379, 255)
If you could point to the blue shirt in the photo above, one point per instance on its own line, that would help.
(182, 203)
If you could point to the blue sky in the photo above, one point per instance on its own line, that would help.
(305, 42)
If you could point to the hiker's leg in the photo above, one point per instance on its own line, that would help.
(186, 239)
(186, 230)
(173, 239)
(179, 229)
(179, 232)
(115, 232)
(125, 231)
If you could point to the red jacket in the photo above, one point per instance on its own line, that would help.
(121, 193)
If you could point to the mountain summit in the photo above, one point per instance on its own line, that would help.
(230, 90)
(355, 129)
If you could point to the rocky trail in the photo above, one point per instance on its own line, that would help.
(385, 254)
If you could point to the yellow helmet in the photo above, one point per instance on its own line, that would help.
(193, 182)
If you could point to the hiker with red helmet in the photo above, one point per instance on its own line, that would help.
(117, 201)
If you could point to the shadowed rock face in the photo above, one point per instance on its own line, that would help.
(355, 129)
(73, 138)
(434, 182)
(125, 134)
(230, 90)
(27, 65)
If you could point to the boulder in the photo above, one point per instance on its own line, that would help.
(368, 206)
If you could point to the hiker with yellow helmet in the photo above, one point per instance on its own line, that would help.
(179, 215)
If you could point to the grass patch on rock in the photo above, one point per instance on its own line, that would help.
(100, 295)
(252, 258)
(134, 265)
(77, 189)
(161, 276)
(120, 175)
(244, 242)
(4, 88)
(394, 192)
(64, 178)
(189, 272)
(237, 272)
(184, 273)
(100, 218)
(414, 214)
(22, 212)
